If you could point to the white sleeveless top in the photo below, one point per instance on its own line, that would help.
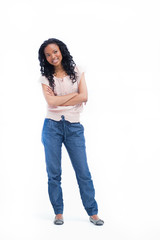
(64, 86)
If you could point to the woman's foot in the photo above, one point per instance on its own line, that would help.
(96, 220)
(95, 217)
(58, 219)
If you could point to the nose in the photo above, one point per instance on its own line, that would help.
(53, 55)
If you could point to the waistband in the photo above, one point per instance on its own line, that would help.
(74, 117)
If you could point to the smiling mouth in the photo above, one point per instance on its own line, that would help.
(54, 61)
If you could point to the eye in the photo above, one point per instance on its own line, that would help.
(55, 51)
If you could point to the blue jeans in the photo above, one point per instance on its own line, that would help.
(55, 133)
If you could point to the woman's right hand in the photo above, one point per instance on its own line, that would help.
(49, 91)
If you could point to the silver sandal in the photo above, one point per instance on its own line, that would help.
(59, 221)
(98, 222)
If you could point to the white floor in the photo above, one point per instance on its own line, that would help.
(40, 227)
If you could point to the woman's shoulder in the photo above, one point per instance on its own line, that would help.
(44, 80)
(79, 69)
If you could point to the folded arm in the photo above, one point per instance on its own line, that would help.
(82, 95)
(69, 99)
(53, 100)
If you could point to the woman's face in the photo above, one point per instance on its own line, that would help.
(53, 54)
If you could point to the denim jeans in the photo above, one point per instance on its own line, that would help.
(55, 133)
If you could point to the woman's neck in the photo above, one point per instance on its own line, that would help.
(58, 69)
(59, 72)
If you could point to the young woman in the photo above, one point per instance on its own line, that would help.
(65, 91)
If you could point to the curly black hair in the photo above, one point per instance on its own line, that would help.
(48, 70)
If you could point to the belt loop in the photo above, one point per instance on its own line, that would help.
(64, 127)
(62, 117)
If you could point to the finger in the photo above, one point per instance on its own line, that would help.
(49, 91)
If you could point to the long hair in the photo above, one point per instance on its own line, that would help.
(48, 70)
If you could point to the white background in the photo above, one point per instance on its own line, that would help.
(118, 44)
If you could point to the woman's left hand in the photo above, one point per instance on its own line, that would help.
(49, 91)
